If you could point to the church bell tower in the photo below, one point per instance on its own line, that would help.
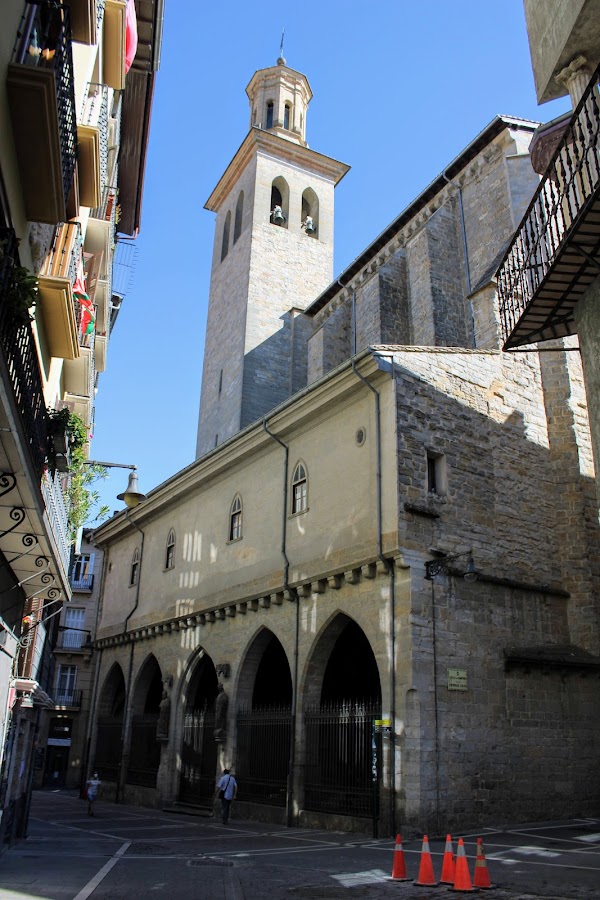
(272, 255)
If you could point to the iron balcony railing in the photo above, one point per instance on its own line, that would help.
(57, 513)
(20, 358)
(64, 258)
(569, 187)
(100, 4)
(95, 114)
(44, 40)
(69, 699)
(75, 639)
(84, 583)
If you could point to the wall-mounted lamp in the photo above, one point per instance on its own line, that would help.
(131, 496)
(435, 567)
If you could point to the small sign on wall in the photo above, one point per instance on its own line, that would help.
(457, 680)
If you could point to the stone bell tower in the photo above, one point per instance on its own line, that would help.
(272, 255)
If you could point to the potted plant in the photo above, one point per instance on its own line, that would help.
(22, 293)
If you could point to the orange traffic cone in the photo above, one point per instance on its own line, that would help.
(426, 878)
(448, 865)
(398, 868)
(481, 877)
(462, 876)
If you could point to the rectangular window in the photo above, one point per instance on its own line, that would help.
(82, 572)
(300, 497)
(235, 531)
(65, 685)
(74, 636)
(436, 474)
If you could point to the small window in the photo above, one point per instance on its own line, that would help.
(170, 554)
(135, 568)
(299, 489)
(225, 243)
(235, 519)
(436, 474)
(270, 114)
(239, 212)
(286, 116)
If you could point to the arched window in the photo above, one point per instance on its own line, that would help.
(299, 489)
(135, 567)
(287, 113)
(310, 213)
(170, 554)
(235, 519)
(280, 201)
(270, 114)
(226, 229)
(239, 212)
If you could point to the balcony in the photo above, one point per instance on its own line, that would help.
(67, 699)
(86, 18)
(84, 584)
(21, 363)
(76, 641)
(92, 149)
(113, 63)
(56, 279)
(42, 106)
(555, 254)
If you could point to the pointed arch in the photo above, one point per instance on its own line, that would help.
(270, 114)
(225, 240)
(198, 756)
(144, 754)
(239, 212)
(111, 710)
(134, 573)
(310, 213)
(280, 201)
(112, 695)
(235, 519)
(287, 116)
(299, 492)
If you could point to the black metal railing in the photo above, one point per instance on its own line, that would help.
(73, 640)
(108, 747)
(198, 757)
(69, 699)
(44, 40)
(338, 762)
(95, 114)
(263, 742)
(569, 185)
(20, 357)
(144, 757)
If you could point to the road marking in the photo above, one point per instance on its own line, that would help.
(91, 886)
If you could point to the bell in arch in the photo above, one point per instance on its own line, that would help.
(309, 225)
(277, 216)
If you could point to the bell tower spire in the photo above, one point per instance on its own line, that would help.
(273, 254)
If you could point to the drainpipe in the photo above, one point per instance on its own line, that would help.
(125, 729)
(294, 593)
(389, 566)
(465, 247)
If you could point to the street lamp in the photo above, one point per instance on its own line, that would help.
(435, 567)
(131, 496)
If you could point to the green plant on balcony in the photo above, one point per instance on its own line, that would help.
(22, 294)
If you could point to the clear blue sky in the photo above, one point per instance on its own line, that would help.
(399, 89)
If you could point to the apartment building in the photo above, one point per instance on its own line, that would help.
(76, 83)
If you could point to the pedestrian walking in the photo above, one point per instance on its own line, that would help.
(226, 792)
(93, 785)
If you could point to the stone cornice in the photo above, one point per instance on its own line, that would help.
(369, 569)
(259, 141)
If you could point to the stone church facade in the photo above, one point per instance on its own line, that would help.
(389, 521)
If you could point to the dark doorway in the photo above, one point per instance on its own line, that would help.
(199, 748)
(264, 727)
(58, 749)
(111, 709)
(144, 756)
(339, 730)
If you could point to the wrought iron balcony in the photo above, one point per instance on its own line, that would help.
(42, 104)
(73, 640)
(83, 583)
(56, 279)
(92, 155)
(56, 511)
(21, 363)
(555, 254)
(67, 699)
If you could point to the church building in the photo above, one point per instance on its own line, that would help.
(373, 595)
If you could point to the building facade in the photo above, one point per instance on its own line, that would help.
(74, 113)
(393, 569)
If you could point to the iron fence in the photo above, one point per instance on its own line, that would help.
(144, 756)
(570, 184)
(108, 748)
(21, 359)
(198, 757)
(338, 762)
(263, 751)
(70, 699)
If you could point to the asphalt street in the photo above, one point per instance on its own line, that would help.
(130, 852)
